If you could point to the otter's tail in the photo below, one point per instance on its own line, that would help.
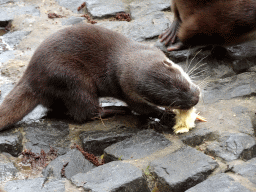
(18, 103)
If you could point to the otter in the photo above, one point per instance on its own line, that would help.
(75, 66)
(210, 22)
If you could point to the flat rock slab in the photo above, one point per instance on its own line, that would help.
(71, 5)
(7, 169)
(219, 183)
(8, 13)
(148, 27)
(14, 38)
(141, 145)
(32, 185)
(247, 169)
(232, 146)
(114, 176)
(96, 141)
(182, 169)
(140, 9)
(44, 135)
(11, 143)
(72, 20)
(103, 8)
(231, 87)
(73, 162)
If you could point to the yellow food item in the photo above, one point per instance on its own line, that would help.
(185, 120)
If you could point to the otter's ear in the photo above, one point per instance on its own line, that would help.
(167, 63)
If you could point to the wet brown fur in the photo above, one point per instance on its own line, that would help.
(217, 22)
(72, 68)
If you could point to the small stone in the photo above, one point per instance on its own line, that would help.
(219, 183)
(96, 141)
(71, 163)
(182, 169)
(11, 143)
(114, 176)
(141, 145)
(247, 169)
(72, 20)
(232, 146)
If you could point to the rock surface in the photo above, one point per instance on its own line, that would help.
(149, 148)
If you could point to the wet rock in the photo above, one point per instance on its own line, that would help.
(43, 135)
(7, 169)
(198, 136)
(102, 8)
(236, 86)
(8, 13)
(140, 9)
(232, 146)
(148, 27)
(96, 141)
(76, 164)
(11, 143)
(72, 20)
(141, 145)
(13, 39)
(182, 169)
(114, 176)
(32, 185)
(219, 183)
(247, 169)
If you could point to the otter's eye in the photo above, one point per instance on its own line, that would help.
(167, 64)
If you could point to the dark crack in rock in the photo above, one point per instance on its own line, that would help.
(96, 141)
(232, 146)
(247, 169)
(11, 143)
(114, 176)
(182, 169)
(72, 162)
(43, 135)
(219, 183)
(141, 145)
(32, 185)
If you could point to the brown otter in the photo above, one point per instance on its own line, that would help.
(72, 68)
(215, 22)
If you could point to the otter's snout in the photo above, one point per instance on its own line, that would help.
(193, 97)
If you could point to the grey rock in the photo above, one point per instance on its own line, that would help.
(247, 169)
(219, 183)
(9, 13)
(71, 5)
(236, 86)
(141, 145)
(114, 176)
(11, 143)
(182, 169)
(148, 27)
(7, 169)
(5, 56)
(140, 9)
(198, 136)
(72, 20)
(43, 135)
(32, 185)
(240, 66)
(245, 50)
(102, 8)
(96, 141)
(76, 164)
(13, 39)
(232, 146)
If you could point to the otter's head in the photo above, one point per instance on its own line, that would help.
(167, 85)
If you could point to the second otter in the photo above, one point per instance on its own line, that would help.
(72, 68)
(215, 22)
